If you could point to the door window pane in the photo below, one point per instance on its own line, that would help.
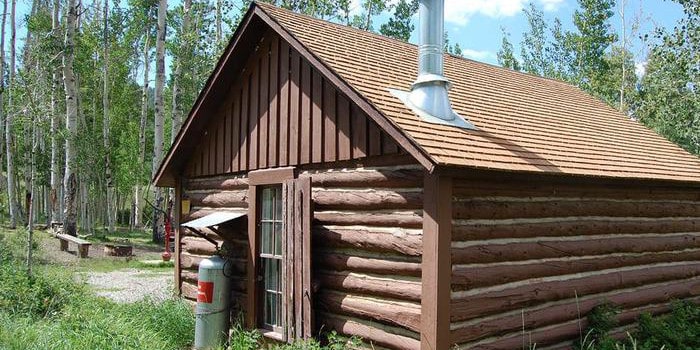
(271, 233)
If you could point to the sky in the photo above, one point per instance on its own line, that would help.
(476, 24)
(465, 18)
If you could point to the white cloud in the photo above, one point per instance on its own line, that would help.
(459, 11)
(479, 55)
(551, 5)
(640, 68)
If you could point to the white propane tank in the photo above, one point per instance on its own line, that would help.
(212, 311)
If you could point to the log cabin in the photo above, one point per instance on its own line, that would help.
(354, 211)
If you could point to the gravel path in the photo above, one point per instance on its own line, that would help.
(125, 285)
(130, 285)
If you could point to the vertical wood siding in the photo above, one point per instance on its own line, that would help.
(280, 111)
(537, 254)
(367, 246)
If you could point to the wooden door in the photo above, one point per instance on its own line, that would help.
(299, 294)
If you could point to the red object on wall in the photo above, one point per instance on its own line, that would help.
(205, 292)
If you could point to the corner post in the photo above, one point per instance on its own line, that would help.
(436, 262)
(177, 219)
(252, 253)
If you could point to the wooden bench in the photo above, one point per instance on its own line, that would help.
(83, 245)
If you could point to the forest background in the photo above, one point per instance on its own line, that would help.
(92, 93)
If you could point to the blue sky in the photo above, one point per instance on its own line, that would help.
(475, 24)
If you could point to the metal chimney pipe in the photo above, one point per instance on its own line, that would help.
(428, 97)
(431, 15)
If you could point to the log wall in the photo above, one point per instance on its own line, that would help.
(207, 195)
(367, 247)
(536, 254)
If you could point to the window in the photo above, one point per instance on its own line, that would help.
(271, 259)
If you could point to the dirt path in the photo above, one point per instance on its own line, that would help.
(111, 277)
(130, 285)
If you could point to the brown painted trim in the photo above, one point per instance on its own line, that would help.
(436, 264)
(255, 179)
(250, 311)
(407, 143)
(477, 174)
(270, 176)
(177, 216)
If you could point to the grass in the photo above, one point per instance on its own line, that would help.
(50, 310)
(138, 238)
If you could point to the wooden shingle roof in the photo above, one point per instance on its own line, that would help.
(526, 123)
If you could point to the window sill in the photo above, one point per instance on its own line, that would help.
(272, 335)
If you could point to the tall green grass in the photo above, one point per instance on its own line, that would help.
(50, 310)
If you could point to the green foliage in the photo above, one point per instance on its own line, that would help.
(594, 37)
(506, 56)
(43, 294)
(534, 43)
(49, 310)
(399, 25)
(668, 94)
(679, 329)
(242, 339)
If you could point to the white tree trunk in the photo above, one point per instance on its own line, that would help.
(11, 189)
(138, 200)
(160, 113)
(70, 178)
(185, 50)
(54, 212)
(105, 122)
(3, 117)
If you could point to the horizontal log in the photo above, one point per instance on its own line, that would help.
(484, 301)
(400, 314)
(198, 212)
(374, 333)
(367, 199)
(392, 286)
(543, 248)
(338, 261)
(189, 290)
(191, 261)
(507, 208)
(230, 248)
(465, 230)
(550, 188)
(199, 246)
(406, 219)
(238, 282)
(217, 183)
(387, 177)
(219, 199)
(230, 232)
(562, 333)
(394, 240)
(550, 314)
(473, 276)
